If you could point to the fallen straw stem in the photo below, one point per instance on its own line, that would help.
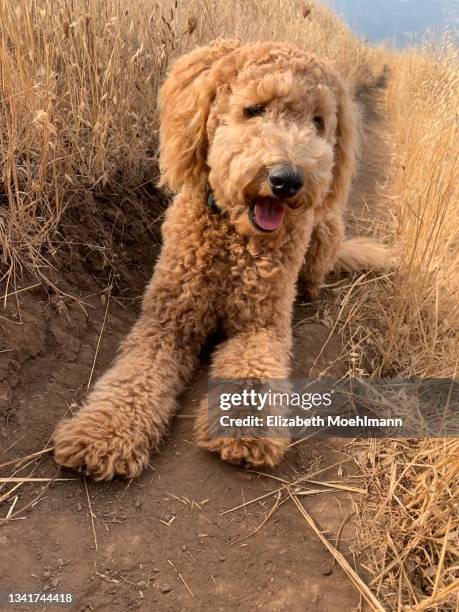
(338, 486)
(287, 485)
(10, 293)
(345, 566)
(101, 333)
(275, 506)
(182, 579)
(442, 558)
(29, 505)
(442, 594)
(10, 492)
(91, 514)
(27, 457)
(26, 479)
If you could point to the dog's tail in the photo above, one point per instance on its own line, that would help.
(363, 254)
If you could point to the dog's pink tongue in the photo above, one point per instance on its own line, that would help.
(269, 214)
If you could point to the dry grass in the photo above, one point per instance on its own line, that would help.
(410, 521)
(422, 100)
(69, 117)
(78, 128)
(407, 325)
(79, 81)
(414, 314)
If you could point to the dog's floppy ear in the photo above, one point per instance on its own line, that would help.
(347, 144)
(184, 104)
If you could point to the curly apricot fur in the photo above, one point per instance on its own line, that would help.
(219, 270)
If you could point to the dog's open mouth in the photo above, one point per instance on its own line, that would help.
(267, 214)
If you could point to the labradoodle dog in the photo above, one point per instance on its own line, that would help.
(259, 141)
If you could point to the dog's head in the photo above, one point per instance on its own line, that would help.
(267, 127)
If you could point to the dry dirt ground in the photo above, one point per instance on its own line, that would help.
(169, 540)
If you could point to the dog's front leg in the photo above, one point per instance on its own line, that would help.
(126, 414)
(321, 254)
(257, 355)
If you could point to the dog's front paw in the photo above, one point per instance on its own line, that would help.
(247, 452)
(101, 445)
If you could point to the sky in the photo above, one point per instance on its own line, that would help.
(398, 22)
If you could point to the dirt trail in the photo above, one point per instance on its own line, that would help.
(163, 542)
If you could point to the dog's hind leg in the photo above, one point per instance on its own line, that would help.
(128, 411)
(329, 251)
(257, 355)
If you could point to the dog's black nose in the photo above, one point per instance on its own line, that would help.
(285, 181)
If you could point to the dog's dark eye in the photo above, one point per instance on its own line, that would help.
(319, 123)
(255, 111)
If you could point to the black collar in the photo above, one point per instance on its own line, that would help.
(212, 204)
